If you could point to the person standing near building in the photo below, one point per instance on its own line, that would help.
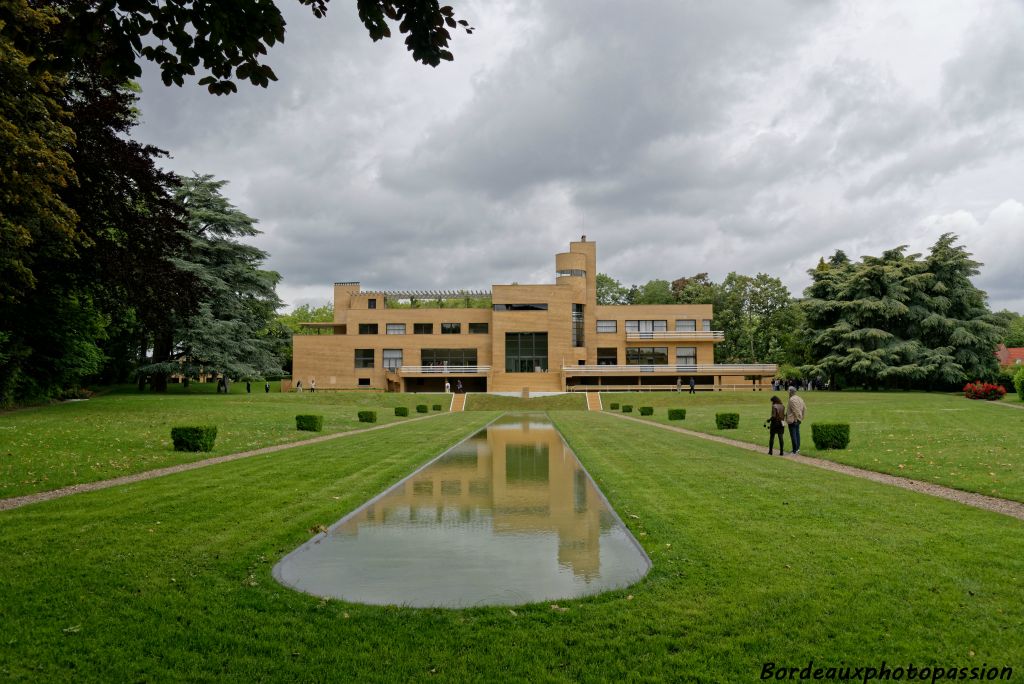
(447, 387)
(298, 386)
(679, 384)
(266, 387)
(248, 387)
(312, 386)
(458, 386)
(795, 412)
(775, 422)
(693, 385)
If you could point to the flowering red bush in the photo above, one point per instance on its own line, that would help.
(984, 390)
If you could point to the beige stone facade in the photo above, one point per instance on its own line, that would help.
(538, 338)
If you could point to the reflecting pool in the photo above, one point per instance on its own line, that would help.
(506, 516)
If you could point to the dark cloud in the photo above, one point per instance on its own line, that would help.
(682, 137)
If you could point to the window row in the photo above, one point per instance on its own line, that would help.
(646, 356)
(652, 326)
(393, 358)
(422, 328)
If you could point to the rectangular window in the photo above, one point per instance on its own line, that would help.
(392, 359)
(705, 325)
(451, 328)
(686, 356)
(647, 356)
(423, 328)
(371, 303)
(577, 325)
(526, 352)
(364, 382)
(477, 328)
(364, 358)
(607, 326)
(607, 356)
(367, 328)
(448, 357)
(646, 326)
(395, 329)
(520, 307)
(686, 326)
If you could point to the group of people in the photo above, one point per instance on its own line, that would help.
(692, 383)
(312, 386)
(809, 384)
(448, 387)
(791, 414)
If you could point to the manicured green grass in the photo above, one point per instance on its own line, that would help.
(941, 438)
(755, 560)
(124, 431)
(555, 402)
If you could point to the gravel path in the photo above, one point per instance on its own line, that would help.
(18, 501)
(989, 503)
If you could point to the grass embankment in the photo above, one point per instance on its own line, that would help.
(755, 560)
(940, 438)
(124, 432)
(555, 402)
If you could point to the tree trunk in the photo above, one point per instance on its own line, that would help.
(163, 345)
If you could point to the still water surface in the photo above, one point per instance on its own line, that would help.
(507, 516)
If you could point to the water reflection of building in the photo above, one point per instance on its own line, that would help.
(519, 479)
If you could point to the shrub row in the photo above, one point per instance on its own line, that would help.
(194, 437)
(309, 423)
(727, 421)
(984, 390)
(830, 435)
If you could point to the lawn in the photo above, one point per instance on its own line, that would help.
(755, 560)
(941, 438)
(554, 402)
(124, 431)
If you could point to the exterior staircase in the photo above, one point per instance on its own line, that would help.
(458, 403)
(594, 401)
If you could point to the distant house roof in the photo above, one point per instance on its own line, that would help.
(1010, 356)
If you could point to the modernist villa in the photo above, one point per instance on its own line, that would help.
(541, 338)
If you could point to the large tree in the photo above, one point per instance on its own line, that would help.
(228, 329)
(901, 320)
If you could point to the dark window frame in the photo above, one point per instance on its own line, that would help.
(477, 330)
(364, 358)
(451, 328)
(369, 329)
(418, 328)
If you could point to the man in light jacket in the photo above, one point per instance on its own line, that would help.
(795, 410)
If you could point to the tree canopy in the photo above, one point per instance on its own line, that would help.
(227, 41)
(901, 320)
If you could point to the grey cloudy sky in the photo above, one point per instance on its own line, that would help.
(682, 136)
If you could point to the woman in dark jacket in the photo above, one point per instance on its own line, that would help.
(776, 425)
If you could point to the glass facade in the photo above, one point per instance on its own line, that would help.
(646, 356)
(520, 307)
(686, 356)
(423, 328)
(364, 358)
(526, 352)
(451, 328)
(607, 356)
(578, 272)
(706, 325)
(686, 326)
(477, 328)
(395, 328)
(607, 326)
(448, 357)
(392, 359)
(646, 326)
(367, 328)
(577, 325)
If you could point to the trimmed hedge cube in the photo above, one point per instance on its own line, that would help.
(367, 416)
(627, 408)
(402, 411)
(830, 435)
(436, 407)
(646, 410)
(309, 423)
(614, 406)
(727, 421)
(421, 408)
(194, 437)
(677, 414)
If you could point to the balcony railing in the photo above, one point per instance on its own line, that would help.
(679, 335)
(677, 369)
(444, 370)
